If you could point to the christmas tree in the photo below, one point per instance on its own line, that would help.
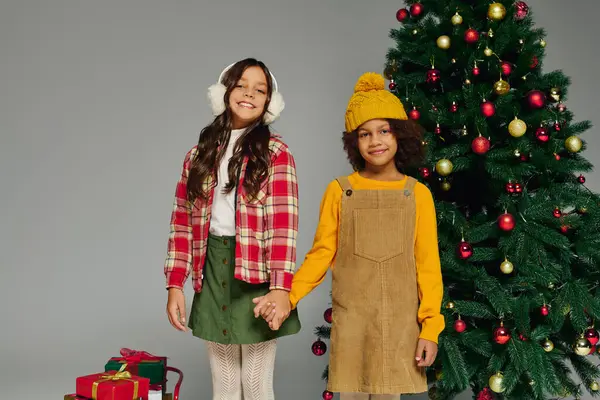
(518, 229)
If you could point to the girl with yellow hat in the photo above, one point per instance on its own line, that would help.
(378, 233)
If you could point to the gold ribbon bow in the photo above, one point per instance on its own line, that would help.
(118, 376)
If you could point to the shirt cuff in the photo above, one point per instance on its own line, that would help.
(175, 279)
(281, 280)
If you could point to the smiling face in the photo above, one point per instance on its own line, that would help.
(377, 143)
(248, 97)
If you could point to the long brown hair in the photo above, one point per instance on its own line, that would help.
(213, 140)
(410, 151)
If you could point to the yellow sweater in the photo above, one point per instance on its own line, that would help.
(429, 277)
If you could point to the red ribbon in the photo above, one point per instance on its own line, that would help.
(137, 356)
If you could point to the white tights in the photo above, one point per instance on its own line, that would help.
(242, 371)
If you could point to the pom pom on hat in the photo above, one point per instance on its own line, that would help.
(370, 100)
(369, 82)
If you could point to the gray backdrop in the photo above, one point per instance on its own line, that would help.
(100, 100)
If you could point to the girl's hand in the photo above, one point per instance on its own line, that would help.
(430, 349)
(274, 307)
(176, 309)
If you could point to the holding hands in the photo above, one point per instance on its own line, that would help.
(274, 307)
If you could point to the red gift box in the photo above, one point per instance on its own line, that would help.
(113, 385)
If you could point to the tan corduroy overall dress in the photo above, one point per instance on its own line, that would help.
(375, 297)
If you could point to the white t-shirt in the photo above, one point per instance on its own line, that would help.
(222, 220)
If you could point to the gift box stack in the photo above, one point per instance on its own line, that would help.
(132, 376)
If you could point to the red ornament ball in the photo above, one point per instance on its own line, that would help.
(581, 179)
(425, 172)
(507, 68)
(460, 326)
(488, 109)
(416, 9)
(465, 250)
(327, 315)
(501, 335)
(564, 229)
(392, 85)
(319, 348)
(433, 76)
(561, 107)
(506, 222)
(557, 127)
(521, 10)
(327, 395)
(437, 129)
(510, 188)
(536, 99)
(524, 157)
(402, 14)
(414, 114)
(542, 134)
(557, 213)
(518, 188)
(557, 157)
(534, 62)
(544, 310)
(453, 107)
(522, 337)
(592, 335)
(485, 394)
(480, 145)
(476, 70)
(471, 35)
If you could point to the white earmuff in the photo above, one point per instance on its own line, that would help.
(216, 98)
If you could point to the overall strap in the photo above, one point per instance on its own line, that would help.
(410, 185)
(345, 184)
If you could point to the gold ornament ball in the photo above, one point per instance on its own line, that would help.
(501, 87)
(457, 19)
(443, 42)
(573, 144)
(517, 128)
(439, 374)
(450, 305)
(467, 82)
(497, 382)
(551, 286)
(507, 267)
(517, 153)
(543, 43)
(582, 346)
(491, 33)
(548, 345)
(446, 186)
(389, 72)
(555, 93)
(496, 12)
(582, 210)
(444, 167)
(488, 52)
(594, 386)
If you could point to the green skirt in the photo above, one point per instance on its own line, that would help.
(223, 311)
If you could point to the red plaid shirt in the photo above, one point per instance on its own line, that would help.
(266, 227)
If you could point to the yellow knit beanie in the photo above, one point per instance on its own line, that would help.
(371, 101)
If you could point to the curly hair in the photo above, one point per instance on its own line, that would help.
(409, 136)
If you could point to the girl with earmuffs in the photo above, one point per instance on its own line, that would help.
(233, 227)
